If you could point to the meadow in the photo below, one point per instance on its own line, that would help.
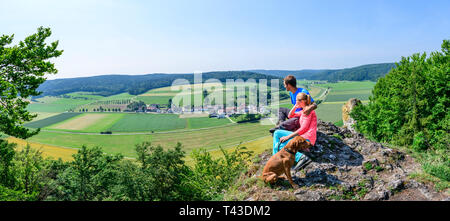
(210, 138)
(331, 108)
(124, 122)
(53, 119)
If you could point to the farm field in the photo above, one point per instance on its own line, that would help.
(124, 122)
(43, 115)
(51, 151)
(204, 122)
(51, 120)
(207, 138)
(88, 122)
(54, 104)
(148, 122)
(331, 109)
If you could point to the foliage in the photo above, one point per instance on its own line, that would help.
(410, 107)
(7, 154)
(411, 103)
(91, 176)
(361, 73)
(211, 176)
(156, 174)
(22, 70)
(135, 106)
(242, 118)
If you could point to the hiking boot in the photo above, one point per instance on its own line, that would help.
(273, 130)
(307, 153)
(302, 163)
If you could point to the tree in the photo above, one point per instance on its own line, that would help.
(22, 70)
(409, 106)
(7, 154)
(91, 176)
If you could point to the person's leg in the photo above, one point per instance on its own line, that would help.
(298, 155)
(276, 139)
(283, 114)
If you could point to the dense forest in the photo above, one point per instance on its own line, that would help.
(369, 72)
(410, 107)
(107, 85)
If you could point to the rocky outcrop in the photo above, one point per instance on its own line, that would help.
(346, 109)
(348, 166)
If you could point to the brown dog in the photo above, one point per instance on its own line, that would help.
(283, 160)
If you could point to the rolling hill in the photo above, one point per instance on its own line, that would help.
(107, 85)
(369, 72)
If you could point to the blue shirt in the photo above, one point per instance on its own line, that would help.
(294, 97)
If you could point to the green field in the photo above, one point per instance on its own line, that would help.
(204, 122)
(51, 120)
(56, 104)
(349, 85)
(148, 122)
(123, 122)
(207, 138)
(331, 109)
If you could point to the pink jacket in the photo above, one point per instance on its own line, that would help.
(308, 126)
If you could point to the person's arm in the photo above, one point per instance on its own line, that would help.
(305, 121)
(307, 110)
(291, 113)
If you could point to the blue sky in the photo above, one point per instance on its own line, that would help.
(183, 36)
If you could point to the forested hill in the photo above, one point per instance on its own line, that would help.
(361, 73)
(107, 85)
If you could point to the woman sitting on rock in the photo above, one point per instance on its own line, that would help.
(308, 128)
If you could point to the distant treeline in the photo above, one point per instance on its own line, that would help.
(107, 85)
(369, 72)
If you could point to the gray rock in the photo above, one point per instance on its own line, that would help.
(395, 185)
(309, 196)
(377, 195)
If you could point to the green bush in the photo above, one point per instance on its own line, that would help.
(419, 142)
(410, 107)
(211, 177)
(410, 103)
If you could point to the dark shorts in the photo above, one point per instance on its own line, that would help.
(285, 123)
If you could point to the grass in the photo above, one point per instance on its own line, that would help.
(329, 112)
(349, 85)
(123, 122)
(435, 166)
(52, 104)
(209, 139)
(331, 109)
(106, 124)
(54, 152)
(338, 96)
(89, 122)
(202, 122)
(43, 115)
(148, 122)
(51, 120)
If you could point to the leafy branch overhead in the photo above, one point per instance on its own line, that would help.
(22, 70)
